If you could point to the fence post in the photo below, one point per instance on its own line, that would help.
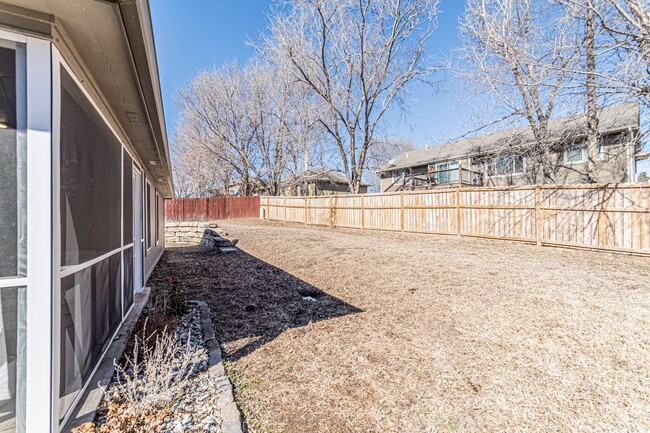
(458, 213)
(285, 209)
(363, 214)
(306, 214)
(332, 216)
(268, 207)
(538, 216)
(401, 207)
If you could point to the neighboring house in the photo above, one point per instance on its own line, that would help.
(502, 158)
(318, 181)
(237, 188)
(84, 169)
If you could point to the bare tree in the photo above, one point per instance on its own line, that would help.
(634, 24)
(380, 153)
(251, 122)
(520, 52)
(358, 57)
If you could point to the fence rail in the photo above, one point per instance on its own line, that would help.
(613, 218)
(211, 209)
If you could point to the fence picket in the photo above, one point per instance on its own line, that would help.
(612, 218)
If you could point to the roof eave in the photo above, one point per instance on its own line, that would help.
(136, 20)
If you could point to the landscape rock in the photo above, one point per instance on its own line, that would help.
(190, 232)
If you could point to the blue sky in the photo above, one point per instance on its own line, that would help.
(211, 33)
(214, 32)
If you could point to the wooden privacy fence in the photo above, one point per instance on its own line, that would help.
(614, 218)
(211, 209)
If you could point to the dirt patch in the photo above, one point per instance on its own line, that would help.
(417, 333)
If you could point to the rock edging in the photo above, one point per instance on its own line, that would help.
(232, 420)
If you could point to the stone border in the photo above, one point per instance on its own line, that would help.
(86, 409)
(232, 420)
(188, 232)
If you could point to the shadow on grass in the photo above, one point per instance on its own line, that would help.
(252, 301)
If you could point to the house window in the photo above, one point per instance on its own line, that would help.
(507, 165)
(576, 152)
(446, 172)
(579, 152)
(614, 139)
(399, 173)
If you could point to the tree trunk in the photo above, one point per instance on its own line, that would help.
(592, 96)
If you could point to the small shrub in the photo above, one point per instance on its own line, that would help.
(148, 383)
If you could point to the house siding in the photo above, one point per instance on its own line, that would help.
(612, 166)
(62, 311)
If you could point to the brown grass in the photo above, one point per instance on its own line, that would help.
(417, 333)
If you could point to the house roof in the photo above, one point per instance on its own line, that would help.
(611, 119)
(318, 175)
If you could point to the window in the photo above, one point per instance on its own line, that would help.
(579, 152)
(614, 139)
(576, 152)
(447, 172)
(400, 173)
(505, 165)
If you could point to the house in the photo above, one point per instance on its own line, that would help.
(238, 188)
(318, 181)
(84, 171)
(505, 158)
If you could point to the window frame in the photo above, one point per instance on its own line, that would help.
(492, 165)
(584, 150)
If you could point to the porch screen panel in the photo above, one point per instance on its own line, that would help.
(147, 218)
(13, 181)
(13, 324)
(91, 158)
(128, 279)
(91, 311)
(127, 216)
(13, 235)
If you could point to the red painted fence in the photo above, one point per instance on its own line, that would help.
(211, 209)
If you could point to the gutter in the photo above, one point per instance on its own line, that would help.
(136, 23)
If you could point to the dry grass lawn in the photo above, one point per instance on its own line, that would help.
(422, 333)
